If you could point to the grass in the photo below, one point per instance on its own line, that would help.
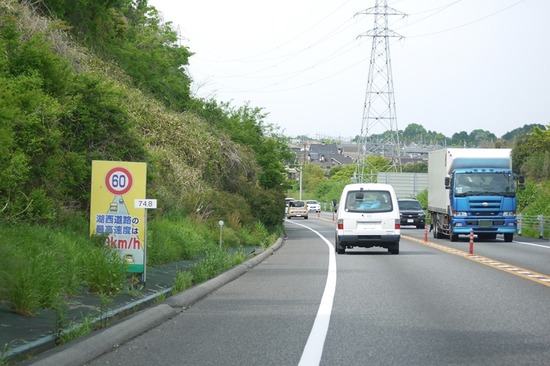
(215, 262)
(40, 265)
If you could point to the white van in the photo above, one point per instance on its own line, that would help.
(368, 216)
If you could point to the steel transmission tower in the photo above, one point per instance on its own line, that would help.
(379, 132)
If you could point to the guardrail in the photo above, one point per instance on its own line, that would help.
(534, 226)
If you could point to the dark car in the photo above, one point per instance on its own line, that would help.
(411, 213)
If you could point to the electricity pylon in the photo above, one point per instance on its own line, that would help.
(379, 132)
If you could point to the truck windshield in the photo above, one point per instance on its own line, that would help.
(492, 184)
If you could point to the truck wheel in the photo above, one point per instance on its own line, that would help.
(394, 249)
(437, 233)
(454, 237)
(508, 238)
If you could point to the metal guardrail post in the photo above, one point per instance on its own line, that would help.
(540, 219)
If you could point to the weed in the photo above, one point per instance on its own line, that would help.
(134, 285)
(160, 298)
(106, 301)
(183, 281)
(76, 330)
(106, 271)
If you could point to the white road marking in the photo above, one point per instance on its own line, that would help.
(532, 244)
(313, 349)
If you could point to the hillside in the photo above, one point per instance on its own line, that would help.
(65, 106)
(83, 81)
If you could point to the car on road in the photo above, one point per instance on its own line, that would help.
(297, 209)
(368, 216)
(313, 205)
(411, 213)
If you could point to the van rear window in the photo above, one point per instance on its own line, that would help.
(368, 201)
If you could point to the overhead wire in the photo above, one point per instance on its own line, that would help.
(292, 74)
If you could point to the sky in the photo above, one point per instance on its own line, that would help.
(456, 65)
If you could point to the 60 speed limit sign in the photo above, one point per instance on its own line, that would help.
(118, 181)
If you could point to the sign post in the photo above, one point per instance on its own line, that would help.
(145, 204)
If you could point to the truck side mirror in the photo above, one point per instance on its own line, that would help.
(521, 179)
(447, 182)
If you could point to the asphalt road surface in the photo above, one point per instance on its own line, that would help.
(307, 305)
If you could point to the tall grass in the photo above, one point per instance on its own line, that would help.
(40, 265)
(215, 262)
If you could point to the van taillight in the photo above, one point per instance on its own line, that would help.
(340, 224)
(397, 224)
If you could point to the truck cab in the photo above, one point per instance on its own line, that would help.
(483, 200)
(472, 190)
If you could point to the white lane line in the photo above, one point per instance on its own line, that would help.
(314, 347)
(532, 244)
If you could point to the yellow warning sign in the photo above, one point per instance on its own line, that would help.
(115, 187)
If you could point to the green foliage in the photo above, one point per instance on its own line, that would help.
(415, 133)
(534, 199)
(312, 176)
(537, 166)
(245, 125)
(267, 206)
(105, 271)
(39, 264)
(422, 197)
(173, 238)
(531, 154)
(343, 175)
(215, 262)
(76, 330)
(183, 281)
(329, 191)
(415, 168)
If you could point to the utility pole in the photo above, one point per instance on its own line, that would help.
(379, 115)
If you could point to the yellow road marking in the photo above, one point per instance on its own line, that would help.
(515, 270)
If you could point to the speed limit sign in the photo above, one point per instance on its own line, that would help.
(118, 181)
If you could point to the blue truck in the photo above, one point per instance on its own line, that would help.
(472, 189)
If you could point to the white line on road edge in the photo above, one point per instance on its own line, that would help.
(314, 347)
(532, 244)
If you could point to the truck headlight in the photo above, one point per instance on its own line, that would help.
(509, 213)
(461, 214)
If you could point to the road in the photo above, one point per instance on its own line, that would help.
(306, 305)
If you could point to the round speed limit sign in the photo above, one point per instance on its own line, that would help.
(118, 181)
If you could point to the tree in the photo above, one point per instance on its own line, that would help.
(532, 154)
(460, 139)
(312, 176)
(413, 133)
